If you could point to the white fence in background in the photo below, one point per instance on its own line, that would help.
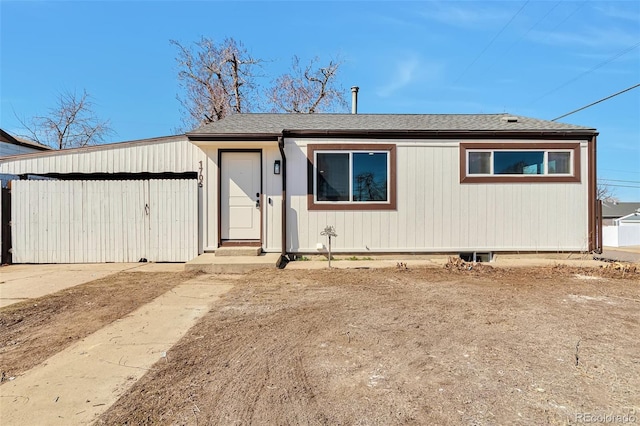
(104, 221)
(621, 236)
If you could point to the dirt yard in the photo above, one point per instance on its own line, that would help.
(34, 330)
(416, 346)
(548, 345)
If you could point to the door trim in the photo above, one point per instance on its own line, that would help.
(222, 242)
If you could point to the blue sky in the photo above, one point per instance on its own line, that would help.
(537, 58)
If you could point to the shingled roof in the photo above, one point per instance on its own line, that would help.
(618, 209)
(276, 124)
(17, 140)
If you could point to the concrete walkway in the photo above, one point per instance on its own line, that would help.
(438, 261)
(211, 264)
(76, 385)
(621, 254)
(21, 282)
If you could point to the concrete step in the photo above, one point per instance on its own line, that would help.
(211, 264)
(238, 251)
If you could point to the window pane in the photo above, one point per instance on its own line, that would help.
(518, 162)
(479, 163)
(332, 177)
(559, 162)
(369, 176)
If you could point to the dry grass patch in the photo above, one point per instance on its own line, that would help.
(417, 346)
(34, 330)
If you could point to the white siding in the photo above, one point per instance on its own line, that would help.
(272, 205)
(435, 213)
(104, 221)
(173, 221)
(173, 155)
(627, 234)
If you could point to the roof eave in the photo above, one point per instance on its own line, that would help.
(413, 134)
(386, 134)
(28, 144)
(239, 137)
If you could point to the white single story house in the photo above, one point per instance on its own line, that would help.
(614, 210)
(621, 224)
(387, 183)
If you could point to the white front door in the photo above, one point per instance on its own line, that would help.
(240, 196)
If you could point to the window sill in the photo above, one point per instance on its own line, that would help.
(518, 179)
(348, 206)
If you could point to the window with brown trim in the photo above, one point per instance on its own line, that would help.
(351, 177)
(519, 162)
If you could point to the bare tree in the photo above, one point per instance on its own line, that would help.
(222, 79)
(309, 90)
(70, 124)
(605, 192)
(218, 80)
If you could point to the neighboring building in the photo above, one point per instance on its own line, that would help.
(15, 145)
(612, 210)
(387, 183)
(621, 224)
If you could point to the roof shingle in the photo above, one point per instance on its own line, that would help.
(276, 123)
(618, 209)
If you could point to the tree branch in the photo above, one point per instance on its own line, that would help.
(71, 123)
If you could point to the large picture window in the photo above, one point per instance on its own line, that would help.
(523, 162)
(351, 177)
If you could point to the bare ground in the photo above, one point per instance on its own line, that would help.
(416, 346)
(34, 330)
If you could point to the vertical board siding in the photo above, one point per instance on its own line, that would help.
(104, 221)
(437, 213)
(173, 221)
(175, 155)
(272, 211)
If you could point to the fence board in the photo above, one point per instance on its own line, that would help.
(104, 221)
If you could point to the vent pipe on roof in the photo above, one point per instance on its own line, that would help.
(509, 118)
(354, 99)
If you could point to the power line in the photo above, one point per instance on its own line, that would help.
(600, 65)
(491, 42)
(569, 16)
(540, 20)
(597, 102)
(493, 64)
(621, 171)
(624, 186)
(625, 181)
